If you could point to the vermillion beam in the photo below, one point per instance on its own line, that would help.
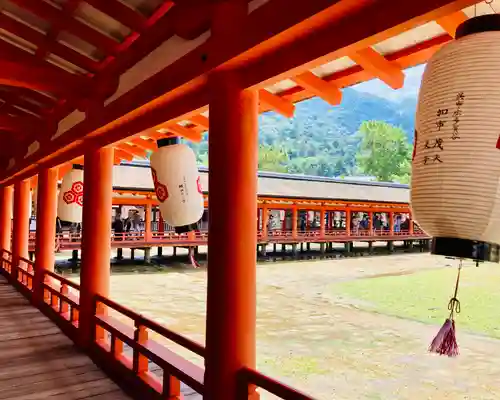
(276, 103)
(21, 223)
(134, 150)
(450, 22)
(96, 237)
(200, 120)
(145, 144)
(6, 197)
(46, 213)
(325, 90)
(180, 130)
(123, 155)
(41, 78)
(379, 66)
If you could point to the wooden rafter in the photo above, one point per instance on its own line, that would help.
(59, 18)
(450, 22)
(325, 90)
(379, 66)
(277, 103)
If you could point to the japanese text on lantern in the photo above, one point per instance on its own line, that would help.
(443, 115)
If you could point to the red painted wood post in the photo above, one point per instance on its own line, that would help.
(410, 224)
(295, 213)
(96, 237)
(265, 222)
(348, 221)
(6, 198)
(391, 223)
(148, 210)
(233, 154)
(20, 226)
(46, 213)
(370, 223)
(322, 223)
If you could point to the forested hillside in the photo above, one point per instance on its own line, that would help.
(325, 140)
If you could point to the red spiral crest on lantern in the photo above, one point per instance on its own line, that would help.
(198, 184)
(77, 187)
(69, 197)
(160, 189)
(75, 194)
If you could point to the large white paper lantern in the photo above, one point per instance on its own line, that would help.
(455, 195)
(70, 198)
(177, 184)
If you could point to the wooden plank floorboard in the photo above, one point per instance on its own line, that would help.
(37, 361)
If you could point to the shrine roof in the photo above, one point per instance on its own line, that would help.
(137, 176)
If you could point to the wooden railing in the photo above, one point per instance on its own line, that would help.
(138, 239)
(63, 296)
(249, 377)
(25, 273)
(112, 334)
(133, 346)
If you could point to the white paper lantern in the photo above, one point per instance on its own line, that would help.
(177, 185)
(70, 199)
(455, 194)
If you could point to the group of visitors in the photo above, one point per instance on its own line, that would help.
(133, 223)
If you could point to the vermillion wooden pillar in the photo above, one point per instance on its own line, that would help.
(96, 236)
(294, 223)
(232, 240)
(391, 223)
(370, 223)
(322, 222)
(21, 223)
(46, 213)
(265, 221)
(6, 197)
(148, 210)
(410, 224)
(348, 222)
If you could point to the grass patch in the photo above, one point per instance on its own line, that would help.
(424, 296)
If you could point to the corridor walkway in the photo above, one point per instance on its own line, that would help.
(37, 361)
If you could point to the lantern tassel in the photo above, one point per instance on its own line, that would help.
(194, 263)
(445, 342)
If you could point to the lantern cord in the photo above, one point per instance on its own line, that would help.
(490, 3)
(454, 303)
(193, 261)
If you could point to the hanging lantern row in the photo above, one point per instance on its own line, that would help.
(455, 188)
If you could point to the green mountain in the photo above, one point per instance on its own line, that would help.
(321, 139)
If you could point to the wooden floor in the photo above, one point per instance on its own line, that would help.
(37, 361)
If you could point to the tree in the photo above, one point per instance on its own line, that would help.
(272, 159)
(384, 152)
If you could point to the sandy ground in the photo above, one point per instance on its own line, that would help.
(319, 342)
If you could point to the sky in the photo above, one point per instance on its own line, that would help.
(380, 89)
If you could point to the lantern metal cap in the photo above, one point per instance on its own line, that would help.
(78, 166)
(465, 248)
(170, 141)
(186, 228)
(482, 23)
